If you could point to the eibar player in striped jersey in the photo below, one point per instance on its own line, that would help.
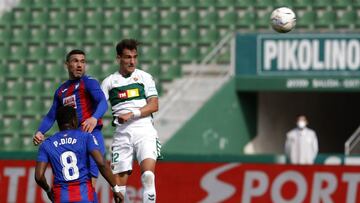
(133, 98)
(67, 152)
(84, 94)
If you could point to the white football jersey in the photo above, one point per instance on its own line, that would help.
(126, 93)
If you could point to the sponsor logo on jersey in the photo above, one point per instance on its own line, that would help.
(129, 93)
(70, 101)
(135, 79)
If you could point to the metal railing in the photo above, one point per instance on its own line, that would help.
(351, 145)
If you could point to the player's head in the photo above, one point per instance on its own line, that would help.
(126, 51)
(75, 63)
(66, 117)
(301, 121)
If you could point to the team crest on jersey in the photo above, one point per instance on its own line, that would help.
(70, 101)
(129, 93)
(135, 79)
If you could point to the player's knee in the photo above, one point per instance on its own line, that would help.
(148, 179)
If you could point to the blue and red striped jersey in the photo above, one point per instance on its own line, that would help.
(84, 94)
(68, 154)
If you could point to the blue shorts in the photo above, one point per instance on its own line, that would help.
(93, 166)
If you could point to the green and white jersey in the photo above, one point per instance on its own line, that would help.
(126, 93)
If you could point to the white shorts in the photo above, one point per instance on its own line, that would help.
(131, 141)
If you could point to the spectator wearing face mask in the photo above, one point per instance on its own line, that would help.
(301, 145)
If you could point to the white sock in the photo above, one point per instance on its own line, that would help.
(123, 192)
(148, 182)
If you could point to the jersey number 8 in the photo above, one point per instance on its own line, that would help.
(70, 170)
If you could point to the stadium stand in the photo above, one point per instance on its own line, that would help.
(36, 34)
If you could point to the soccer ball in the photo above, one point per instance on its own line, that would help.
(283, 19)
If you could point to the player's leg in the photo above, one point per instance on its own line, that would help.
(121, 160)
(147, 153)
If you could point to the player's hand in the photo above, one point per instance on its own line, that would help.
(89, 124)
(50, 195)
(38, 138)
(125, 117)
(118, 197)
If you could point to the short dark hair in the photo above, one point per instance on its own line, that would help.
(73, 52)
(126, 44)
(66, 115)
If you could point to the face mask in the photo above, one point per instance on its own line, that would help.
(301, 124)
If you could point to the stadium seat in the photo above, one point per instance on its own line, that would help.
(327, 19)
(7, 18)
(34, 107)
(131, 18)
(208, 18)
(149, 18)
(16, 71)
(229, 19)
(150, 53)
(21, 35)
(171, 72)
(33, 71)
(112, 4)
(94, 3)
(348, 19)
(130, 3)
(41, 3)
(302, 3)
(307, 20)
(263, 20)
(169, 18)
(169, 53)
(283, 3)
(5, 34)
(34, 88)
(188, 36)
(206, 3)
(112, 18)
(264, 4)
(56, 53)
(13, 107)
(148, 3)
(22, 17)
(39, 34)
(112, 35)
(40, 17)
(169, 35)
(58, 3)
(187, 3)
(12, 143)
(167, 3)
(225, 3)
(57, 17)
(74, 34)
(76, 18)
(244, 3)
(56, 35)
(75, 4)
(18, 52)
(92, 34)
(94, 18)
(150, 35)
(208, 36)
(134, 33)
(342, 3)
(14, 88)
(38, 53)
(94, 53)
(188, 17)
(247, 20)
(189, 54)
(322, 3)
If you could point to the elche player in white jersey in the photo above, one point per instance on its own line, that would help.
(133, 98)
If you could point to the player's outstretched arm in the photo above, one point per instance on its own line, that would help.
(107, 174)
(41, 179)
